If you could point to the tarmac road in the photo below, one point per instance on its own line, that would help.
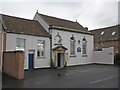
(86, 76)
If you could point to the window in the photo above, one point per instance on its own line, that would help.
(72, 46)
(40, 48)
(20, 44)
(113, 33)
(84, 46)
(102, 33)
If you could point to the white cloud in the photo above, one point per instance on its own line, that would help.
(92, 14)
(100, 15)
(45, 0)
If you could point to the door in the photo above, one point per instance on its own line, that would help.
(31, 60)
(59, 60)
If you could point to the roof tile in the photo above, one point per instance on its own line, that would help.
(24, 26)
(62, 23)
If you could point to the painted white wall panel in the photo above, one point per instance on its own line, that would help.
(66, 42)
(30, 43)
(106, 56)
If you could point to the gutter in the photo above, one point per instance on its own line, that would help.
(69, 29)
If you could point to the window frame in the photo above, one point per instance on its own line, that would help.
(84, 47)
(19, 47)
(40, 51)
(72, 46)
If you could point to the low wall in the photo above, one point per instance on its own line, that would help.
(13, 64)
(106, 56)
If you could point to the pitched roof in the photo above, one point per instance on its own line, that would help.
(23, 26)
(105, 34)
(62, 23)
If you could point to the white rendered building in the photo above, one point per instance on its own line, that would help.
(71, 43)
(28, 36)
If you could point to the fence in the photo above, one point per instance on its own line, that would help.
(13, 64)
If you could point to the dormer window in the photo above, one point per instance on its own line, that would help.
(102, 32)
(113, 33)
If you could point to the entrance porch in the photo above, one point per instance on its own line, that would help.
(59, 54)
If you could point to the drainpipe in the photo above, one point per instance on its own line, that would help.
(2, 48)
(1, 55)
(2, 45)
(50, 32)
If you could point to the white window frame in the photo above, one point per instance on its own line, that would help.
(40, 50)
(19, 48)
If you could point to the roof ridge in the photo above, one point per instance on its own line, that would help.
(57, 18)
(24, 26)
(17, 17)
(51, 20)
(105, 27)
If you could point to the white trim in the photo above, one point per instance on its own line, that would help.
(2, 50)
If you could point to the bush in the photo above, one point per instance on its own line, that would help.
(52, 64)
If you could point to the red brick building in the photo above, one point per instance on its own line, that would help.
(107, 37)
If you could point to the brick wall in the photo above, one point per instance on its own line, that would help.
(107, 44)
(13, 64)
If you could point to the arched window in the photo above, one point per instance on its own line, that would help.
(84, 46)
(72, 45)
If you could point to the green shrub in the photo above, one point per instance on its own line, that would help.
(52, 64)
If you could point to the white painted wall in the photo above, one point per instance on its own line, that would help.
(30, 43)
(41, 21)
(106, 56)
(66, 42)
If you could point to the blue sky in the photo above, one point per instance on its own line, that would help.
(89, 13)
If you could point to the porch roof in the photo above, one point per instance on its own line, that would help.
(58, 47)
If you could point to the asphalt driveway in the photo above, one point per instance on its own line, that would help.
(86, 76)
